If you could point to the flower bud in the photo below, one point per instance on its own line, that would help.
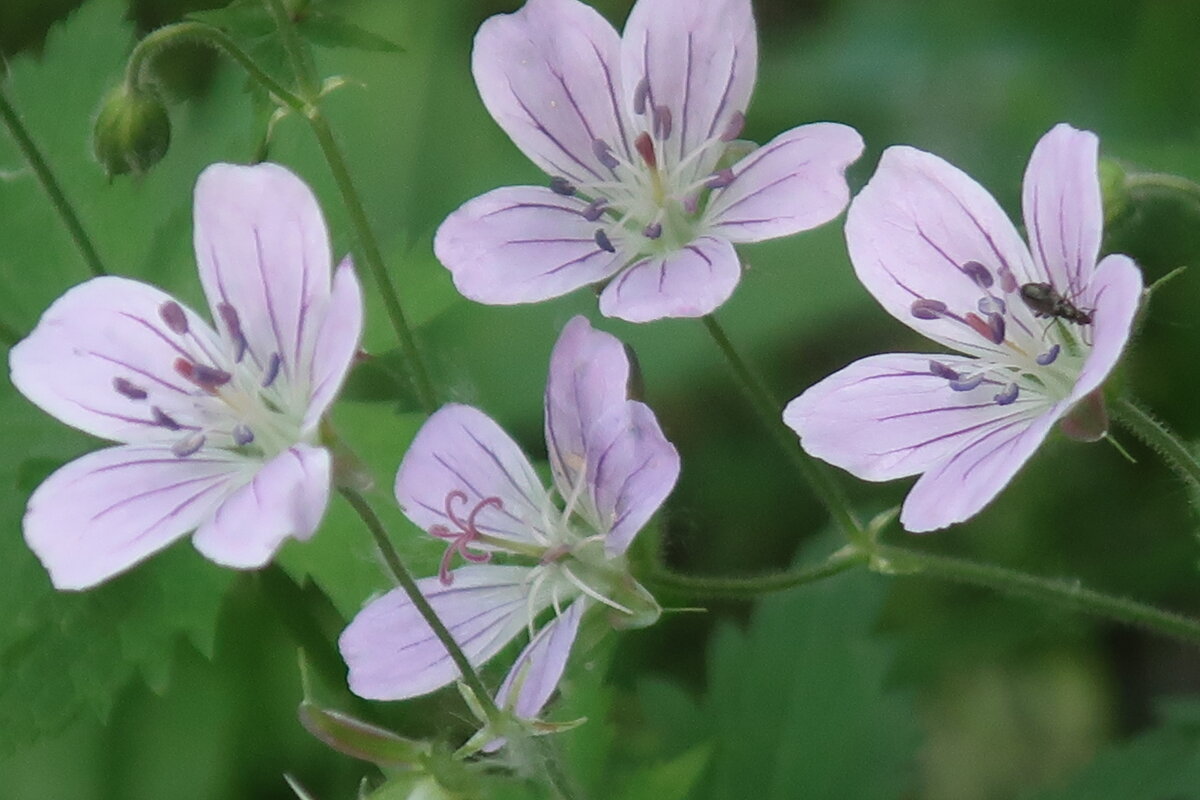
(132, 131)
(1113, 190)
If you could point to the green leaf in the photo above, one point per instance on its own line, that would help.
(1161, 764)
(240, 19)
(328, 30)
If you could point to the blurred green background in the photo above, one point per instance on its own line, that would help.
(180, 680)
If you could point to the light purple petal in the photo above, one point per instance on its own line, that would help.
(1114, 293)
(915, 225)
(589, 375)
(393, 654)
(548, 75)
(793, 183)
(99, 333)
(963, 484)
(106, 511)
(263, 249)
(689, 282)
(887, 416)
(522, 244)
(631, 470)
(337, 341)
(1063, 212)
(460, 449)
(698, 60)
(540, 667)
(285, 498)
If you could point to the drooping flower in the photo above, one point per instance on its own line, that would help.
(217, 427)
(464, 480)
(1039, 326)
(649, 185)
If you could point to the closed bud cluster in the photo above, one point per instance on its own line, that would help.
(132, 131)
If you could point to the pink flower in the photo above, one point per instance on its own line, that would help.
(464, 480)
(1040, 327)
(217, 428)
(648, 190)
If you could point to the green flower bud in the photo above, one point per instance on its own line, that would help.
(1113, 190)
(132, 131)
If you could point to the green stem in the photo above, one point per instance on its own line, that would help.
(298, 58)
(1068, 594)
(770, 411)
(744, 588)
(405, 581)
(1165, 181)
(33, 156)
(1142, 424)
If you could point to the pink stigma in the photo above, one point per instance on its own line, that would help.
(466, 534)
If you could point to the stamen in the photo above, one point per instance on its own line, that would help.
(207, 378)
(1008, 282)
(645, 149)
(733, 128)
(242, 434)
(1047, 358)
(662, 122)
(603, 242)
(124, 387)
(978, 273)
(720, 179)
(1007, 395)
(653, 230)
(940, 370)
(173, 315)
(272, 370)
(560, 185)
(992, 329)
(233, 325)
(928, 309)
(639, 96)
(188, 445)
(966, 384)
(991, 305)
(164, 420)
(603, 154)
(595, 209)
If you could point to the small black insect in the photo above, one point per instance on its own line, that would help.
(1045, 301)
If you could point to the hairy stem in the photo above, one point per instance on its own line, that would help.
(51, 186)
(1163, 181)
(1142, 424)
(770, 412)
(747, 587)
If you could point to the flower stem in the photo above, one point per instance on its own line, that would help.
(1142, 424)
(770, 412)
(302, 67)
(33, 156)
(744, 588)
(1063, 593)
(406, 582)
(1165, 181)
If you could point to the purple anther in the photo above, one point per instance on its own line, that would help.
(604, 154)
(242, 434)
(645, 149)
(272, 370)
(989, 304)
(595, 209)
(1047, 358)
(720, 179)
(662, 123)
(174, 316)
(992, 329)
(940, 370)
(560, 185)
(164, 420)
(603, 242)
(233, 325)
(1007, 395)
(640, 93)
(996, 323)
(1008, 281)
(978, 273)
(209, 378)
(928, 309)
(653, 230)
(733, 128)
(966, 384)
(128, 389)
(188, 445)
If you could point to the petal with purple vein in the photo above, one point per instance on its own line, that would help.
(689, 282)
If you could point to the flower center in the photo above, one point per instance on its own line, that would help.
(467, 533)
(232, 398)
